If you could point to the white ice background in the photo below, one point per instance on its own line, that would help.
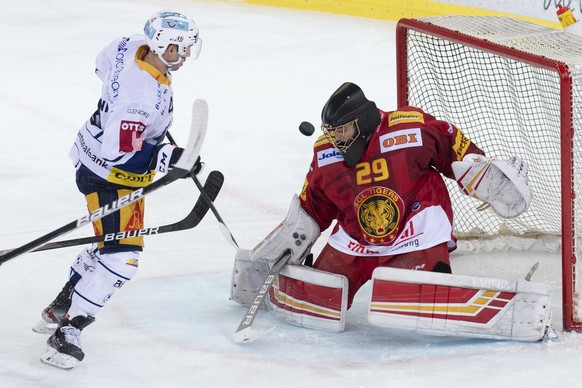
(263, 71)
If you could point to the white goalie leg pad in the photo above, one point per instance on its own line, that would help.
(247, 277)
(503, 184)
(296, 233)
(97, 284)
(310, 298)
(450, 305)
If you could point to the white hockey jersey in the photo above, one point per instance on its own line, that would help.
(120, 140)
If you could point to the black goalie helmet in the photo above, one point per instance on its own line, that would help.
(348, 120)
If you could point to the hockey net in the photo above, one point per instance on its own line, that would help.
(514, 88)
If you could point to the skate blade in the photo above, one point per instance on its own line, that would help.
(43, 327)
(52, 357)
(550, 335)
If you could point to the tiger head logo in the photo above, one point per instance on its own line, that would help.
(377, 216)
(379, 211)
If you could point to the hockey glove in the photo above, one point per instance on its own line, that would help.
(503, 184)
(177, 153)
(165, 157)
(198, 167)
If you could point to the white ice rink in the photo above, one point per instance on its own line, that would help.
(262, 71)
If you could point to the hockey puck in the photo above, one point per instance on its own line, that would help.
(306, 128)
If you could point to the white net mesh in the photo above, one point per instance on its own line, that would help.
(508, 104)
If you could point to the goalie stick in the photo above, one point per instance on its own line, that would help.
(180, 170)
(211, 189)
(245, 332)
(223, 228)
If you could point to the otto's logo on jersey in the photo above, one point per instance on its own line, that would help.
(130, 135)
(397, 140)
(132, 126)
(379, 210)
(329, 156)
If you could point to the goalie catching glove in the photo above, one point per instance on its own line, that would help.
(503, 184)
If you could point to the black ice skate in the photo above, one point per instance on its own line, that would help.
(56, 310)
(64, 346)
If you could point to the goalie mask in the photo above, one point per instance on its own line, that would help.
(348, 120)
(166, 28)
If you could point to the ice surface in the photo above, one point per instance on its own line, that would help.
(263, 71)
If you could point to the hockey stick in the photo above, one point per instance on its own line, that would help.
(532, 270)
(223, 228)
(245, 332)
(211, 189)
(180, 170)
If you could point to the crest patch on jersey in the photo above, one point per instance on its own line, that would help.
(329, 156)
(379, 210)
(136, 217)
(130, 135)
(405, 138)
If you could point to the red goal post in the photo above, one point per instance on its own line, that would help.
(515, 88)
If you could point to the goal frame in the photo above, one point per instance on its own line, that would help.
(568, 252)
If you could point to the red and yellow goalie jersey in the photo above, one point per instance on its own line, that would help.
(394, 200)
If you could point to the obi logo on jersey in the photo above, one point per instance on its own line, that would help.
(401, 139)
(130, 135)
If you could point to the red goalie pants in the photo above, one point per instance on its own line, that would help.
(358, 269)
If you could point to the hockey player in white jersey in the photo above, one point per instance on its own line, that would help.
(119, 149)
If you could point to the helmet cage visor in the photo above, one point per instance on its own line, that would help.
(342, 136)
(172, 28)
(194, 49)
